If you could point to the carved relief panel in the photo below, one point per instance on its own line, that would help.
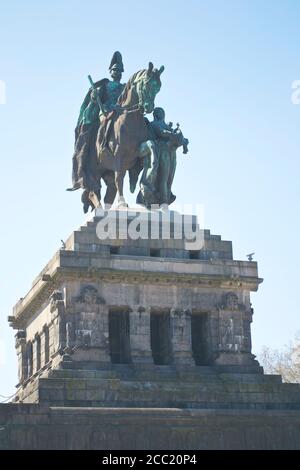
(233, 337)
(90, 327)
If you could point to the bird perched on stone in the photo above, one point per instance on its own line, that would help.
(250, 256)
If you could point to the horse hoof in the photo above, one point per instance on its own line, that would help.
(94, 200)
(164, 208)
(122, 205)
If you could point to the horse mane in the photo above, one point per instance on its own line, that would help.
(124, 95)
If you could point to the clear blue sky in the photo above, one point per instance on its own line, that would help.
(229, 69)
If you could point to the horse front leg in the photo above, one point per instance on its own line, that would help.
(111, 189)
(119, 180)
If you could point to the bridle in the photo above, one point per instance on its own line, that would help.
(136, 107)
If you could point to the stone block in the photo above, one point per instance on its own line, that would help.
(49, 383)
(95, 395)
(75, 384)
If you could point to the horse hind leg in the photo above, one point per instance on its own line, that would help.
(90, 200)
(111, 190)
(95, 199)
(119, 180)
(87, 203)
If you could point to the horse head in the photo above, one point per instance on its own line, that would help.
(142, 89)
(147, 87)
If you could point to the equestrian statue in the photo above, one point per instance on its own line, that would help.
(113, 136)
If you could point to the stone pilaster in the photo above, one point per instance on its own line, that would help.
(36, 353)
(70, 334)
(247, 320)
(139, 320)
(101, 342)
(57, 308)
(29, 359)
(181, 337)
(21, 355)
(234, 333)
(45, 346)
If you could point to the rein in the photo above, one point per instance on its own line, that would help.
(135, 107)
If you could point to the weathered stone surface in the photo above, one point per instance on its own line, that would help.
(66, 315)
(143, 344)
(40, 427)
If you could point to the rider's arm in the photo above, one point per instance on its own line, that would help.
(95, 93)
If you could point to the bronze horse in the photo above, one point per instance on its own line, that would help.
(122, 137)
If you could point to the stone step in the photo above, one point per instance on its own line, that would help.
(199, 375)
(132, 392)
(181, 405)
(168, 403)
(171, 385)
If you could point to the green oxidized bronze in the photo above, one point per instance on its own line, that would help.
(99, 101)
(113, 135)
(160, 165)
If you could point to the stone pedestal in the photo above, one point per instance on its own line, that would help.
(142, 288)
(135, 313)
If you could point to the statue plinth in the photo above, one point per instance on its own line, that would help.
(134, 336)
(136, 290)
